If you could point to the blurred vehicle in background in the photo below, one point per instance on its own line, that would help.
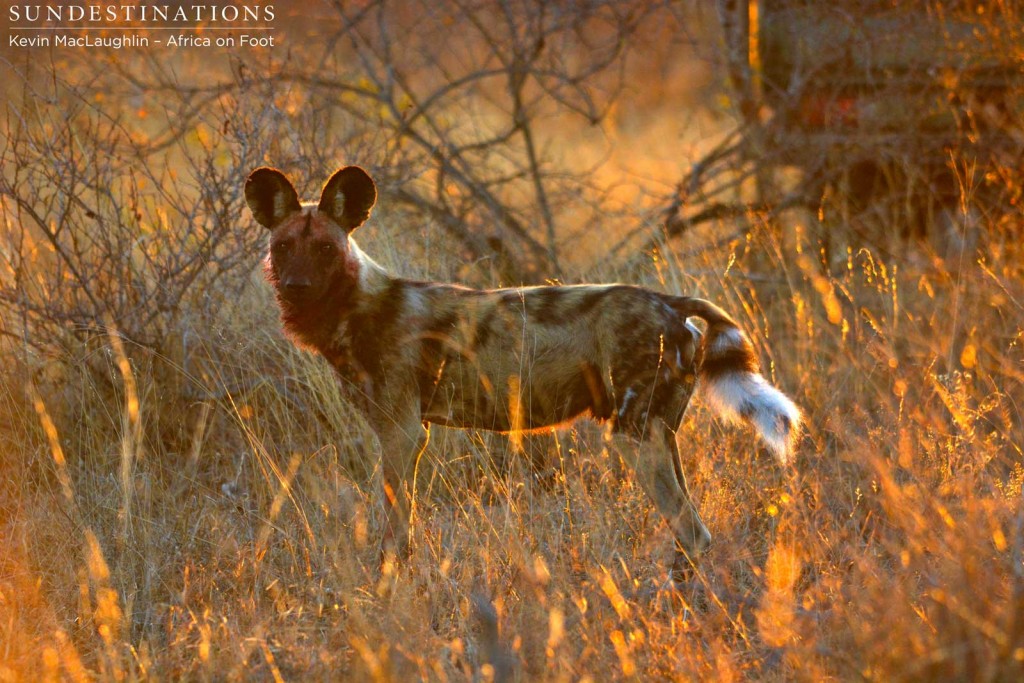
(873, 99)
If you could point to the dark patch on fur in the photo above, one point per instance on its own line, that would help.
(588, 301)
(545, 306)
(632, 323)
(484, 329)
(560, 305)
(728, 361)
(598, 400)
(540, 305)
(377, 329)
(436, 351)
(650, 376)
(512, 298)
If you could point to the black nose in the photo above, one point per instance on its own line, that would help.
(296, 285)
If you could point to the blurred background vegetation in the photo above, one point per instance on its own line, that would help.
(183, 494)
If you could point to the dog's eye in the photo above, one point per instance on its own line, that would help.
(279, 247)
(326, 248)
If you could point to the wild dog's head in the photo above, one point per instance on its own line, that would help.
(311, 262)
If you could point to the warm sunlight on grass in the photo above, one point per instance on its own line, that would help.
(891, 550)
(184, 495)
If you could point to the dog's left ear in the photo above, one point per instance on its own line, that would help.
(348, 197)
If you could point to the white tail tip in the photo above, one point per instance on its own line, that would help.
(748, 397)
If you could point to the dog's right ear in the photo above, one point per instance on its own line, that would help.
(271, 196)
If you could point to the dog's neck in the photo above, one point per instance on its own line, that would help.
(373, 279)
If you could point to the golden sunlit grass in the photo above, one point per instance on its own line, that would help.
(186, 496)
(891, 551)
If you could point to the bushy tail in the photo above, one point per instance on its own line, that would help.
(732, 381)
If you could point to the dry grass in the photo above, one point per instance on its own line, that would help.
(185, 496)
(891, 551)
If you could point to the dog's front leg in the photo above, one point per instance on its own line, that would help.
(402, 438)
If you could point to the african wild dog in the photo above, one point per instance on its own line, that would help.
(524, 358)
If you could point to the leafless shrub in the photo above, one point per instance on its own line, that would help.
(128, 214)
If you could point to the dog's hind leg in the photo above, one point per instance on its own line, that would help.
(654, 458)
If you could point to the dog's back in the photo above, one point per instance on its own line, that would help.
(535, 357)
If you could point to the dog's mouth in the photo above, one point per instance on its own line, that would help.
(295, 296)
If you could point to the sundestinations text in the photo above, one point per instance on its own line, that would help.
(33, 14)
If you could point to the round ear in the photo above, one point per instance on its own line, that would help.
(348, 197)
(271, 196)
